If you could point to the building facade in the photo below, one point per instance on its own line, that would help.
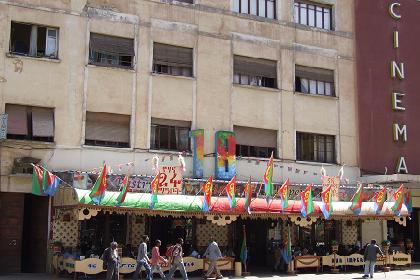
(386, 74)
(83, 82)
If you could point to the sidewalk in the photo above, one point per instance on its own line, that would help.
(393, 275)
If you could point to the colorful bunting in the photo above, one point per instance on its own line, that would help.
(98, 190)
(207, 189)
(268, 179)
(124, 190)
(284, 195)
(39, 181)
(379, 200)
(327, 205)
(154, 189)
(357, 200)
(399, 200)
(248, 196)
(230, 191)
(307, 205)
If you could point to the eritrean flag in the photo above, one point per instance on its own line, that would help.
(230, 191)
(123, 191)
(244, 251)
(154, 189)
(248, 196)
(39, 180)
(357, 200)
(207, 189)
(408, 202)
(52, 183)
(307, 206)
(399, 200)
(327, 206)
(98, 190)
(287, 251)
(284, 195)
(268, 179)
(379, 200)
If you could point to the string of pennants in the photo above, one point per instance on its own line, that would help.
(44, 182)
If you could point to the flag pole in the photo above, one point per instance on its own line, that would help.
(48, 232)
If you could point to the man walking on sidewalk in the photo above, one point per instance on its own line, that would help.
(371, 252)
(143, 260)
(157, 259)
(213, 254)
(177, 261)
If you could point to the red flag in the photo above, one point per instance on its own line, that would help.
(207, 189)
(231, 190)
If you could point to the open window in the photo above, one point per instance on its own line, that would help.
(33, 40)
(30, 123)
(255, 142)
(254, 72)
(172, 60)
(314, 81)
(171, 135)
(111, 51)
(108, 130)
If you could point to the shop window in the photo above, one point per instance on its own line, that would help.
(314, 81)
(255, 142)
(254, 72)
(315, 147)
(33, 40)
(313, 14)
(261, 8)
(108, 130)
(170, 135)
(30, 123)
(172, 60)
(105, 50)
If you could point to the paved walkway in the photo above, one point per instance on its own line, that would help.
(409, 274)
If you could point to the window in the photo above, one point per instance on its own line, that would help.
(172, 60)
(254, 72)
(185, 1)
(315, 147)
(170, 135)
(108, 130)
(313, 14)
(314, 81)
(30, 123)
(255, 142)
(33, 40)
(113, 51)
(261, 8)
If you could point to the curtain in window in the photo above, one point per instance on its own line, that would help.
(42, 122)
(317, 74)
(172, 55)
(107, 127)
(111, 45)
(255, 67)
(17, 121)
(255, 136)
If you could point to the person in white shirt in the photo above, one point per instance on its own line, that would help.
(213, 254)
(143, 260)
(111, 262)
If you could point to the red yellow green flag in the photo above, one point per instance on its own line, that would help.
(248, 196)
(98, 190)
(327, 206)
(399, 200)
(284, 195)
(357, 200)
(154, 188)
(230, 191)
(408, 201)
(379, 200)
(207, 189)
(124, 190)
(268, 179)
(307, 206)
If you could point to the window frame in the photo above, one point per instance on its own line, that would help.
(156, 136)
(255, 152)
(257, 8)
(28, 54)
(311, 85)
(317, 150)
(172, 70)
(29, 123)
(297, 5)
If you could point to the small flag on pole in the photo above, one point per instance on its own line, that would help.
(230, 191)
(98, 191)
(284, 195)
(123, 191)
(357, 201)
(307, 206)
(268, 179)
(379, 200)
(207, 189)
(399, 200)
(248, 196)
(154, 190)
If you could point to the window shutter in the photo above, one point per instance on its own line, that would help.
(255, 136)
(172, 55)
(107, 127)
(17, 121)
(317, 74)
(111, 45)
(167, 122)
(255, 67)
(42, 122)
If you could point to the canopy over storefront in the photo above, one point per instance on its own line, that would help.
(220, 205)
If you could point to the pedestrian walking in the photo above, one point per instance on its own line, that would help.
(371, 251)
(213, 254)
(157, 260)
(112, 262)
(143, 260)
(177, 261)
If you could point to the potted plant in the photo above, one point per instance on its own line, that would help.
(57, 246)
(409, 243)
(334, 246)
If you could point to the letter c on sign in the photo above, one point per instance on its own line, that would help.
(392, 10)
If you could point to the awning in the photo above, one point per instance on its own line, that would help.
(188, 203)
